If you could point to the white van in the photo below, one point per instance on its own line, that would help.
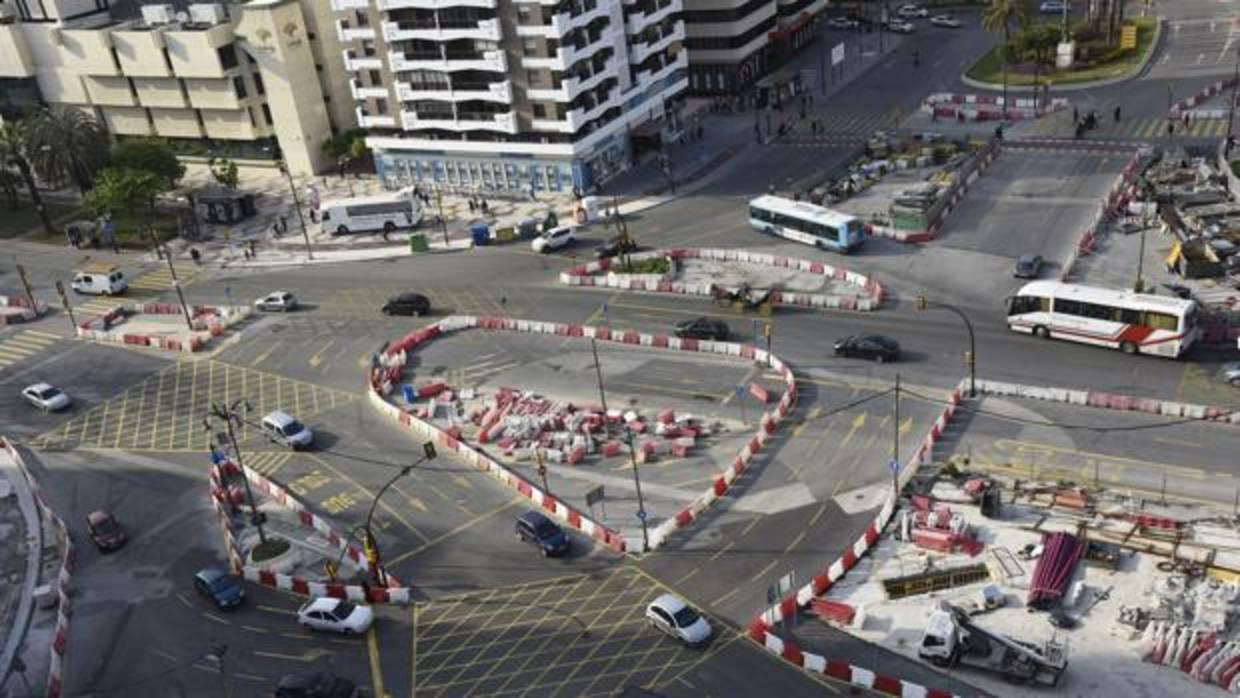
(386, 213)
(99, 279)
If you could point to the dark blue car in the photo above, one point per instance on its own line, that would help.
(533, 527)
(224, 589)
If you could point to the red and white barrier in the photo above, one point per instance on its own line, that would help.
(392, 363)
(64, 607)
(394, 593)
(208, 322)
(1189, 104)
(26, 312)
(957, 193)
(599, 274)
(989, 108)
(1122, 190)
(760, 629)
(1111, 401)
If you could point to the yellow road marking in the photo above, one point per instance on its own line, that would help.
(686, 577)
(376, 669)
(721, 551)
(818, 514)
(217, 619)
(762, 572)
(750, 526)
(448, 534)
(386, 507)
(857, 423)
(310, 655)
(795, 541)
(263, 357)
(255, 629)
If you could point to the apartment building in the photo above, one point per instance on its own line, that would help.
(734, 43)
(209, 77)
(510, 95)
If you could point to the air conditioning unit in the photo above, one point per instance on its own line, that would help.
(154, 15)
(208, 13)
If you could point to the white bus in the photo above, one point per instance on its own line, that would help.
(386, 213)
(1134, 323)
(804, 222)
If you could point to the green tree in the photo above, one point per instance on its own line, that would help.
(13, 149)
(225, 172)
(66, 144)
(346, 148)
(150, 155)
(125, 190)
(1002, 15)
(1037, 44)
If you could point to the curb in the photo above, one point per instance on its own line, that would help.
(1111, 401)
(585, 276)
(1121, 191)
(209, 323)
(34, 533)
(1079, 86)
(64, 607)
(1188, 104)
(392, 362)
(28, 314)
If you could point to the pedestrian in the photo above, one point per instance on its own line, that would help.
(1117, 113)
(385, 233)
(283, 224)
(1186, 120)
(1076, 116)
(1231, 143)
(253, 249)
(195, 255)
(701, 132)
(1170, 129)
(472, 206)
(483, 205)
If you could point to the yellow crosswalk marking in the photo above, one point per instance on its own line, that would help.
(24, 345)
(267, 462)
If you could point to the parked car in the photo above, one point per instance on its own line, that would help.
(1231, 373)
(1028, 266)
(615, 246)
(554, 239)
(874, 346)
(843, 23)
(912, 11)
(670, 614)
(278, 301)
(224, 589)
(900, 26)
(335, 615)
(946, 21)
(414, 304)
(105, 531)
(46, 397)
(314, 684)
(283, 429)
(1052, 7)
(533, 527)
(703, 328)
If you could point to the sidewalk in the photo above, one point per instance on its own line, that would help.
(21, 547)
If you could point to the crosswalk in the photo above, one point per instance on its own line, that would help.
(141, 288)
(1143, 128)
(836, 123)
(267, 462)
(23, 345)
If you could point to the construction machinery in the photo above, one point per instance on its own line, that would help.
(951, 638)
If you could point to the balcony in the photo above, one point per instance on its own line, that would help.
(364, 63)
(365, 120)
(570, 22)
(436, 4)
(646, 77)
(575, 119)
(339, 5)
(575, 86)
(640, 21)
(506, 122)
(493, 92)
(353, 33)
(493, 61)
(487, 29)
(642, 51)
(360, 92)
(566, 56)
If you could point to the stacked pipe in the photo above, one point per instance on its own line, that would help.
(1060, 553)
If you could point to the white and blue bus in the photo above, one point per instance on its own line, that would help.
(804, 222)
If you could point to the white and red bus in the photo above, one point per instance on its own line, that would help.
(1134, 323)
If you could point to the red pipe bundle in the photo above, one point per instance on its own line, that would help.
(1060, 553)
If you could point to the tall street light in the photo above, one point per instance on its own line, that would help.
(923, 304)
(370, 544)
(231, 416)
(1235, 78)
(301, 218)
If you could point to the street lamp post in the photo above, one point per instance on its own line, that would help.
(371, 543)
(1235, 79)
(637, 484)
(301, 218)
(923, 304)
(229, 415)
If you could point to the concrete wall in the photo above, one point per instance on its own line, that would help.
(15, 59)
(195, 54)
(141, 53)
(229, 125)
(160, 92)
(127, 121)
(109, 91)
(176, 123)
(212, 94)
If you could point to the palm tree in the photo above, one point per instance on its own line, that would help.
(1001, 15)
(67, 144)
(13, 149)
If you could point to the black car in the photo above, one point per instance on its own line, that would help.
(1028, 266)
(703, 328)
(874, 346)
(105, 531)
(533, 527)
(615, 246)
(224, 589)
(414, 304)
(315, 684)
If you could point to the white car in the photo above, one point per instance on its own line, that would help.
(335, 615)
(900, 26)
(1052, 7)
(945, 21)
(46, 397)
(279, 301)
(282, 428)
(912, 11)
(670, 614)
(554, 239)
(842, 23)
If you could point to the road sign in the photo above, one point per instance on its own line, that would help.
(837, 54)
(894, 465)
(1128, 37)
(641, 514)
(594, 496)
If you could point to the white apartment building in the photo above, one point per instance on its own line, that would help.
(509, 95)
(734, 43)
(244, 77)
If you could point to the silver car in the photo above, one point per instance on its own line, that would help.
(1231, 373)
(282, 428)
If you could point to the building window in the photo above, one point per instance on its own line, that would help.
(368, 47)
(530, 46)
(258, 84)
(228, 56)
(376, 80)
(267, 115)
(540, 111)
(363, 20)
(381, 106)
(239, 87)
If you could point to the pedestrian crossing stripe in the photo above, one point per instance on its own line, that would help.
(24, 345)
(266, 462)
(1140, 128)
(161, 279)
(98, 306)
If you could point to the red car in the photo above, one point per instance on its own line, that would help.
(105, 531)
